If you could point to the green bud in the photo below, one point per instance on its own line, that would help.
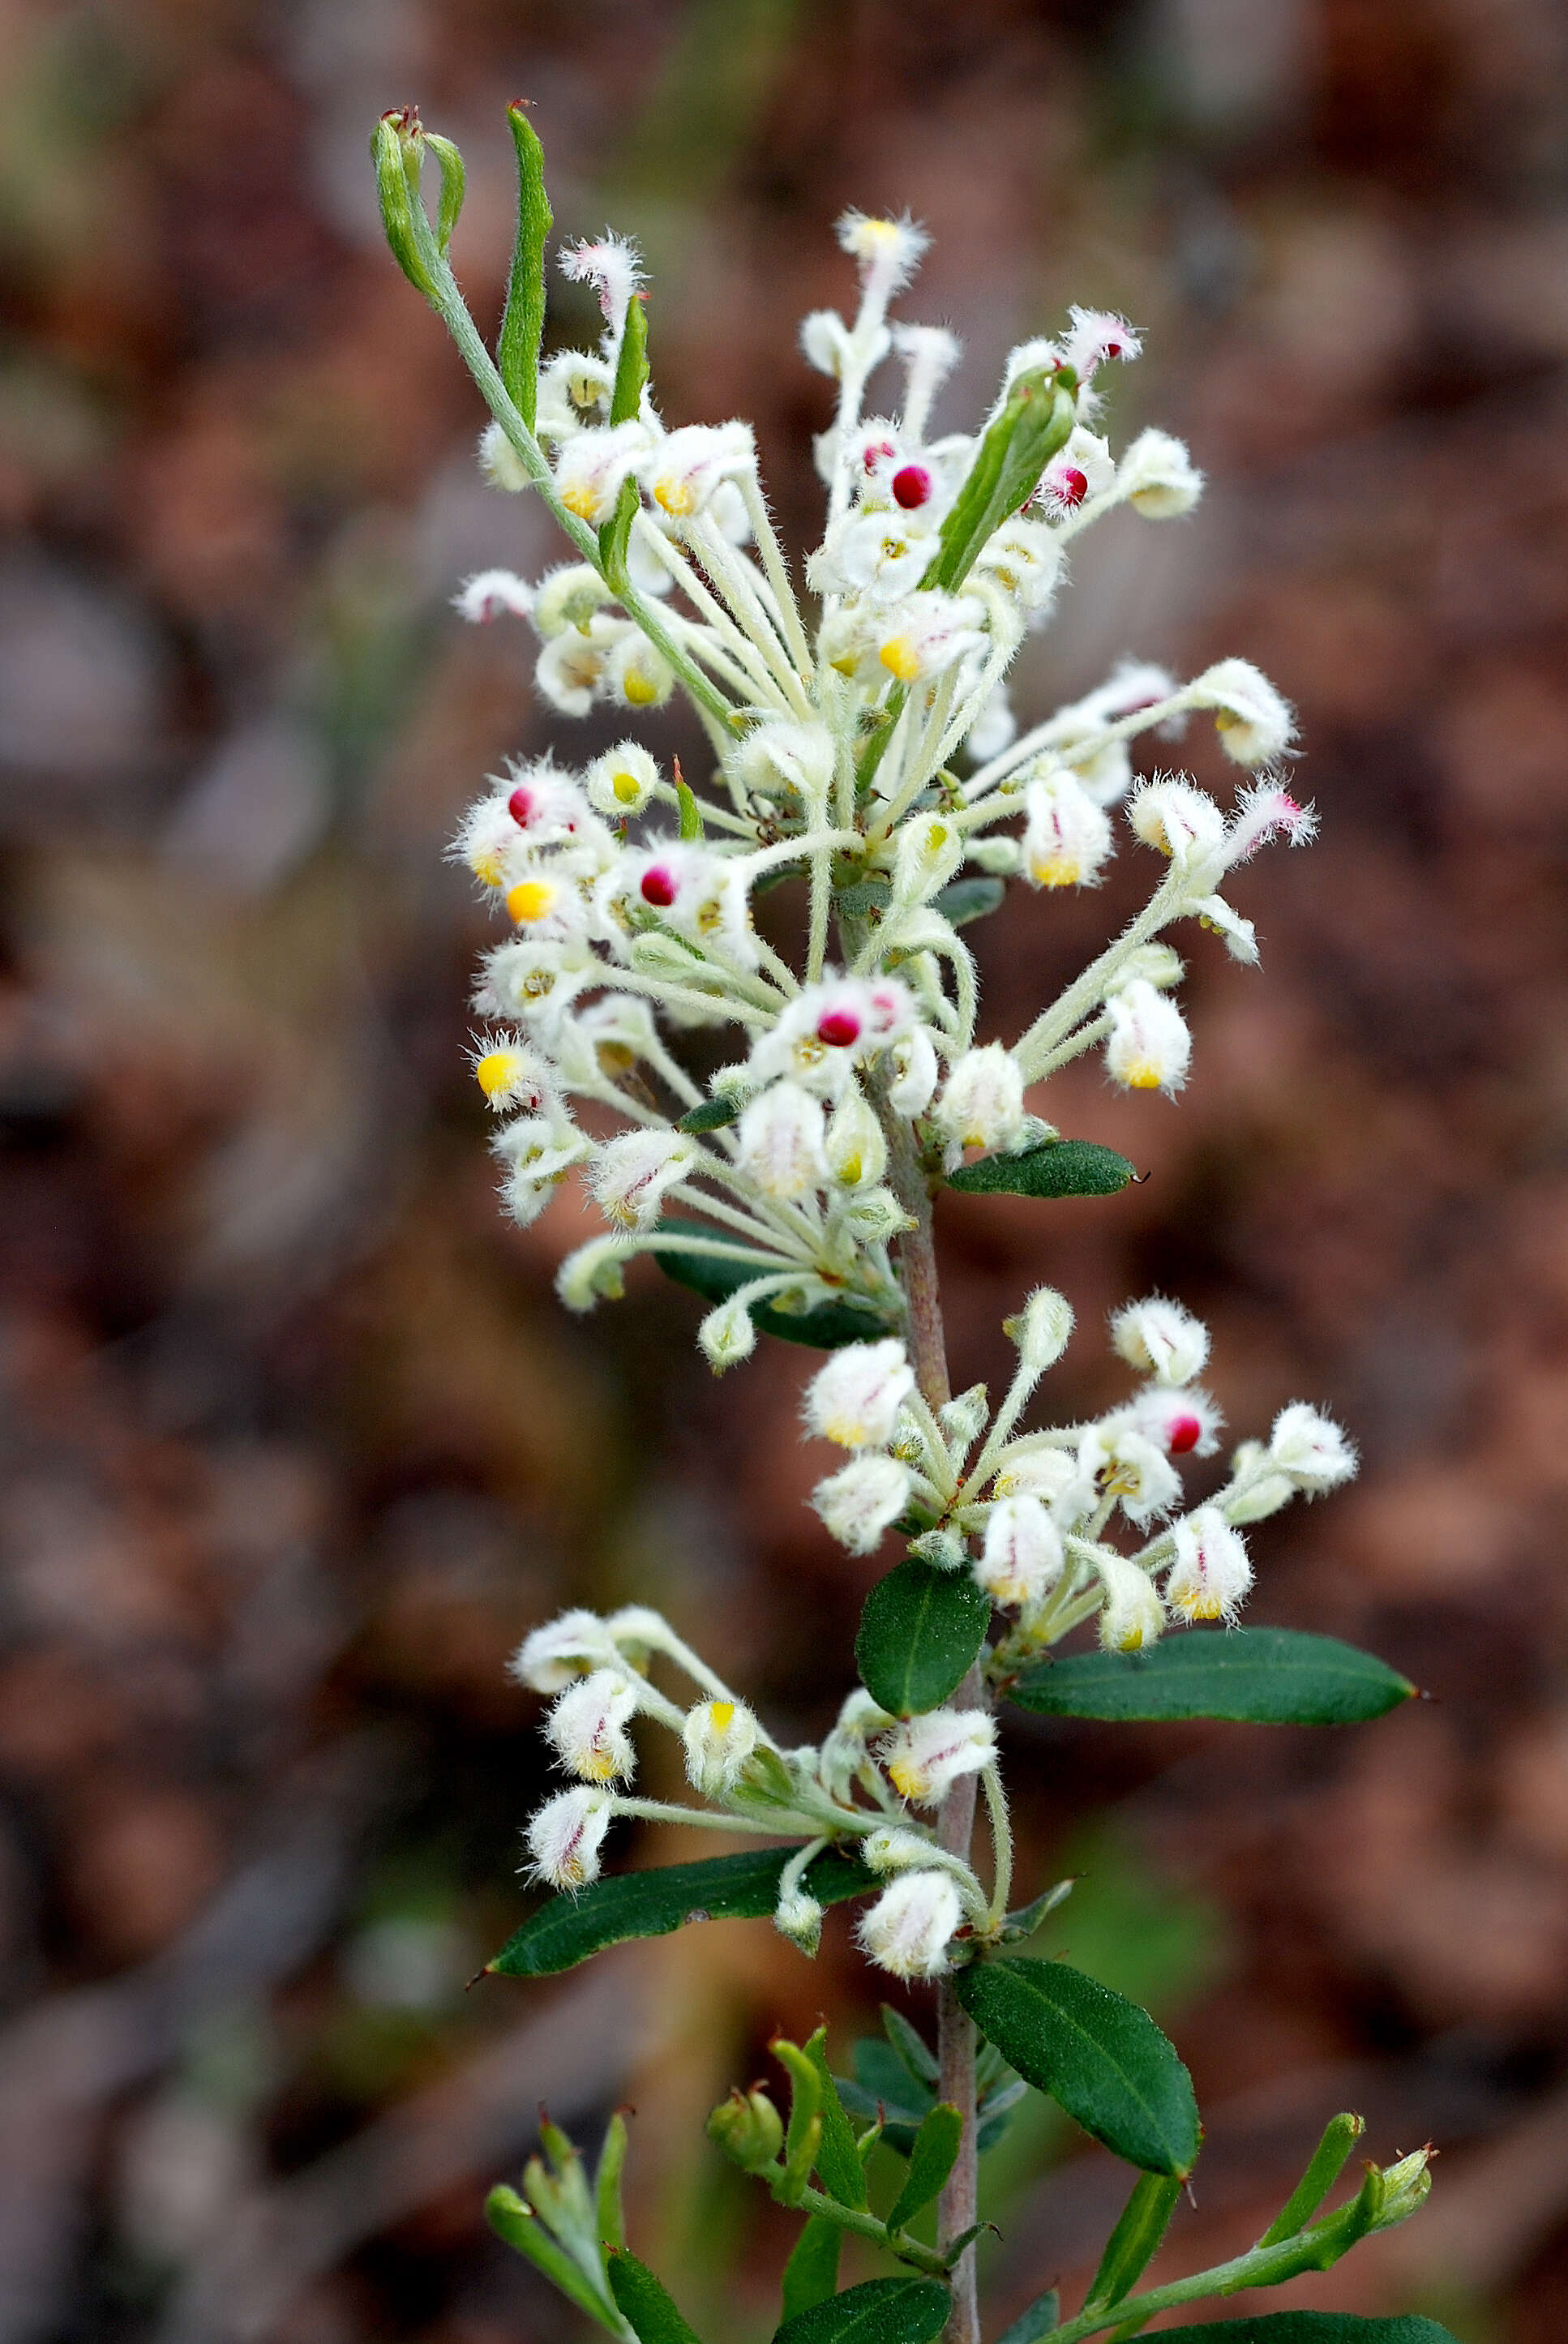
(396, 145)
(748, 2129)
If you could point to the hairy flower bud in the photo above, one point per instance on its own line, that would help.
(1162, 1339)
(914, 1071)
(632, 1173)
(1041, 1330)
(1177, 819)
(565, 1837)
(1159, 478)
(587, 1727)
(1132, 1614)
(1211, 1573)
(930, 850)
(982, 1101)
(780, 1146)
(1149, 1048)
(622, 781)
(719, 1737)
(1261, 1492)
(1310, 1449)
(908, 1929)
(862, 1500)
(550, 1656)
(1022, 1559)
(924, 1756)
(1254, 721)
(727, 1335)
(1067, 836)
(857, 1149)
(798, 1916)
(854, 1401)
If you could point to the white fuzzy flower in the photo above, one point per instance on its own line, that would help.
(538, 1152)
(1181, 1419)
(511, 1074)
(1125, 1462)
(856, 1146)
(982, 1101)
(718, 1736)
(1211, 1573)
(636, 674)
(565, 1837)
(862, 1500)
(1149, 1048)
(908, 1929)
(855, 1398)
(1067, 836)
(1095, 336)
(565, 1648)
(1055, 1476)
(484, 596)
(632, 1173)
(924, 1756)
(499, 462)
(930, 849)
(1081, 469)
(575, 389)
(1159, 478)
(915, 1071)
(682, 472)
(592, 466)
(613, 266)
(1254, 721)
(888, 251)
(1310, 1449)
(780, 1147)
(1024, 559)
(832, 1026)
(1132, 1614)
(1022, 1559)
(824, 338)
(587, 1727)
(568, 597)
(1161, 1339)
(928, 632)
(1179, 820)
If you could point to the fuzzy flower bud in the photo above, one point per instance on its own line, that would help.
(1161, 1339)
(592, 466)
(1211, 1573)
(719, 1737)
(632, 1173)
(622, 781)
(915, 1071)
(550, 1656)
(798, 1916)
(587, 1727)
(1022, 1559)
(982, 1101)
(908, 1929)
(963, 1419)
(748, 2129)
(854, 1401)
(499, 462)
(857, 1149)
(1041, 1330)
(1082, 468)
(781, 1141)
(1149, 1048)
(1254, 721)
(930, 850)
(1178, 1418)
(511, 1074)
(924, 1756)
(1310, 1449)
(594, 1273)
(1132, 1614)
(862, 1500)
(727, 1335)
(1159, 478)
(687, 466)
(1067, 836)
(1261, 1493)
(483, 598)
(565, 1837)
(892, 1848)
(1177, 819)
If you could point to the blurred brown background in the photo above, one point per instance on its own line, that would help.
(296, 1439)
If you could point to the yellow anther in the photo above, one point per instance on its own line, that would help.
(626, 788)
(486, 866)
(722, 1713)
(901, 659)
(675, 496)
(1056, 871)
(495, 1071)
(637, 689)
(1142, 1077)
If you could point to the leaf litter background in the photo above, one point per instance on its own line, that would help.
(295, 1441)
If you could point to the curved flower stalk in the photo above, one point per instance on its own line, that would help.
(863, 747)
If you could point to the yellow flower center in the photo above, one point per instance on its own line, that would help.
(674, 495)
(626, 789)
(721, 1715)
(530, 899)
(1056, 870)
(1142, 1077)
(901, 659)
(495, 1071)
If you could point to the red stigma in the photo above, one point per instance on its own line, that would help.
(911, 486)
(1071, 486)
(1185, 1433)
(877, 450)
(519, 805)
(658, 887)
(838, 1029)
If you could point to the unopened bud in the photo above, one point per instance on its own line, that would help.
(1041, 1330)
(748, 2129)
(719, 1737)
(930, 850)
(727, 1335)
(857, 1149)
(798, 1918)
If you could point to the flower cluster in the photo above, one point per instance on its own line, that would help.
(1030, 1514)
(872, 758)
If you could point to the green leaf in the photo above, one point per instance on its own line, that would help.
(1130, 2248)
(811, 2274)
(803, 2138)
(1269, 1676)
(838, 2159)
(522, 323)
(516, 2223)
(1043, 2314)
(827, 1327)
(611, 2216)
(1032, 424)
(568, 1929)
(645, 2303)
(691, 821)
(1096, 2055)
(1311, 2328)
(931, 2160)
(630, 364)
(919, 1632)
(1340, 2136)
(712, 1116)
(882, 2311)
(963, 899)
(914, 2051)
(1052, 1167)
(450, 201)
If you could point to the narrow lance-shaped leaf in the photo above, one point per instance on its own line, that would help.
(1052, 1167)
(1041, 2315)
(453, 179)
(522, 323)
(1034, 423)
(1096, 2055)
(931, 2160)
(647, 2304)
(1131, 2246)
(1309, 2328)
(811, 2274)
(521, 2230)
(919, 1632)
(568, 1929)
(1265, 1676)
(607, 2184)
(1340, 2136)
(625, 402)
(825, 1328)
(882, 2311)
(838, 2159)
